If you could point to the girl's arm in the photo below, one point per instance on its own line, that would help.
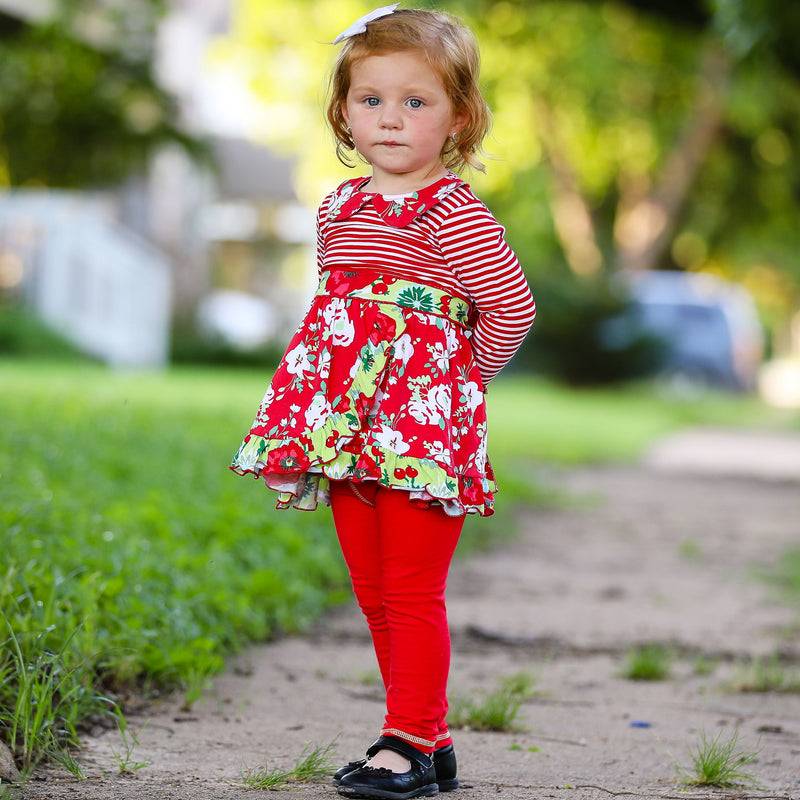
(322, 213)
(472, 241)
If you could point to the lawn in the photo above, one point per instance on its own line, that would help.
(134, 558)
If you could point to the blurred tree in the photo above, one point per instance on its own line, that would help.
(645, 134)
(79, 106)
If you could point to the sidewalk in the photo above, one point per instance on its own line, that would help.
(660, 552)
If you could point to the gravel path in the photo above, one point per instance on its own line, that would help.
(665, 551)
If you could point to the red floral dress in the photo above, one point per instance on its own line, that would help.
(380, 381)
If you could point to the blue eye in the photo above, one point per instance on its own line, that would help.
(372, 101)
(415, 102)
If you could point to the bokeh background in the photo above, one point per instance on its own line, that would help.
(161, 163)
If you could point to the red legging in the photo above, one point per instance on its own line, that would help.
(398, 555)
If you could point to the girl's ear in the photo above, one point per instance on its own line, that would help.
(344, 113)
(460, 121)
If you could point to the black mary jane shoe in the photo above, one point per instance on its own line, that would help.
(444, 762)
(366, 781)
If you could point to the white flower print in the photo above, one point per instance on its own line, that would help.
(445, 190)
(318, 412)
(438, 452)
(480, 457)
(440, 356)
(473, 396)
(324, 364)
(392, 440)
(340, 199)
(297, 362)
(339, 322)
(433, 407)
(403, 348)
(263, 409)
(452, 340)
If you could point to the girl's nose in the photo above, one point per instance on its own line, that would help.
(390, 118)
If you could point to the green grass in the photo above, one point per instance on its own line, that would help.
(766, 675)
(134, 558)
(719, 763)
(650, 662)
(313, 764)
(536, 419)
(496, 710)
(785, 576)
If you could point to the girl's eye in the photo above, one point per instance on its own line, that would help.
(415, 102)
(372, 101)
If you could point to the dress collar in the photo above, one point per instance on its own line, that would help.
(395, 211)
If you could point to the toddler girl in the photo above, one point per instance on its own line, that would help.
(377, 408)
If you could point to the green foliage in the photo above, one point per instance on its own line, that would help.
(649, 662)
(123, 757)
(570, 341)
(96, 108)
(131, 553)
(313, 764)
(786, 573)
(188, 346)
(766, 675)
(719, 763)
(45, 693)
(492, 711)
(22, 334)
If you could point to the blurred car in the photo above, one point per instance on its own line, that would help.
(708, 327)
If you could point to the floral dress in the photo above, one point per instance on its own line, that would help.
(379, 383)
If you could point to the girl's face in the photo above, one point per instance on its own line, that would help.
(400, 117)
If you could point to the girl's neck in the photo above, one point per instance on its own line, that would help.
(402, 184)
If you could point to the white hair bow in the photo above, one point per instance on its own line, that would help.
(360, 25)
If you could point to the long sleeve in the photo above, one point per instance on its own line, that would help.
(473, 244)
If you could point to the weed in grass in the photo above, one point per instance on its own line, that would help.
(786, 573)
(196, 683)
(485, 711)
(520, 684)
(704, 665)
(719, 763)
(650, 662)
(492, 711)
(315, 763)
(369, 677)
(44, 695)
(124, 756)
(690, 550)
(65, 757)
(766, 675)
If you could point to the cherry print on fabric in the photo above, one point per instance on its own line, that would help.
(379, 384)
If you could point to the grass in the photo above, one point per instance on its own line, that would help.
(135, 559)
(719, 763)
(492, 711)
(315, 763)
(116, 506)
(766, 675)
(650, 662)
(785, 575)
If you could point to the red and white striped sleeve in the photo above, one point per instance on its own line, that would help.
(472, 241)
(322, 213)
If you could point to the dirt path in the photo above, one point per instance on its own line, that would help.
(661, 552)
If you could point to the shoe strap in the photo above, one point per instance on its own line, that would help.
(403, 748)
